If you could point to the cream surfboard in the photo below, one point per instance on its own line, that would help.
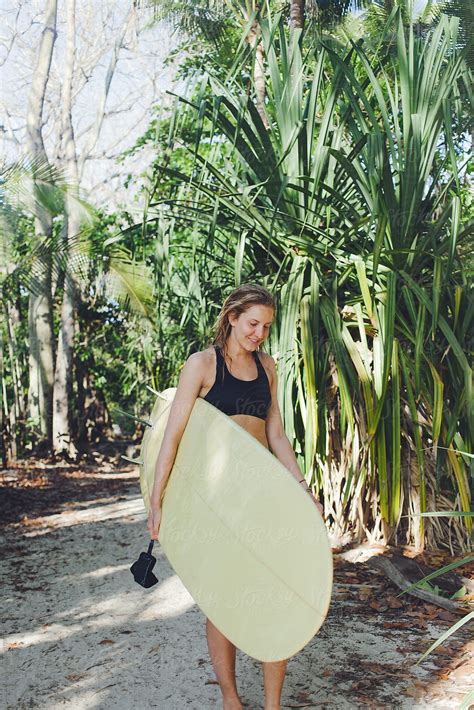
(243, 536)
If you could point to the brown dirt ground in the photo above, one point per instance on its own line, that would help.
(79, 632)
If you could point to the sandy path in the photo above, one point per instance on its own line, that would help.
(80, 633)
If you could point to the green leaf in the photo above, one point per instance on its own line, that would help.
(465, 620)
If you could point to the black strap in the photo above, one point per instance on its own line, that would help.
(258, 362)
(150, 547)
(220, 366)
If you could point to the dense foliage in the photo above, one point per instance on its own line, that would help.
(338, 178)
(349, 205)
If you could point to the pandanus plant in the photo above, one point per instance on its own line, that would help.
(348, 204)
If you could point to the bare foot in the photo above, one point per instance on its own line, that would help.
(232, 704)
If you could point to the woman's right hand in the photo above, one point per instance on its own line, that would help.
(154, 520)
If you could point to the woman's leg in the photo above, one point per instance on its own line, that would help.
(222, 652)
(273, 679)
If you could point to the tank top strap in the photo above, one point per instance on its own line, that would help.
(260, 367)
(219, 361)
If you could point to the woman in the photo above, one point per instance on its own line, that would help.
(242, 382)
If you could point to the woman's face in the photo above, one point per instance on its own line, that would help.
(251, 328)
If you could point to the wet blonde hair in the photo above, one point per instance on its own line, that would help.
(237, 302)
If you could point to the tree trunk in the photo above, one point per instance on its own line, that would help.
(40, 322)
(17, 408)
(258, 72)
(82, 384)
(13, 319)
(41, 359)
(297, 14)
(3, 419)
(62, 437)
(74, 166)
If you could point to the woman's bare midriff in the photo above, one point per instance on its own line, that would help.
(254, 426)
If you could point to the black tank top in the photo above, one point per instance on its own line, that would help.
(234, 396)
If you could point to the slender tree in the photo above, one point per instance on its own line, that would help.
(74, 169)
(40, 323)
(62, 440)
(297, 8)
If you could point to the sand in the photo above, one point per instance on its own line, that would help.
(80, 633)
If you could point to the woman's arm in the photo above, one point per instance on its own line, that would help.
(189, 385)
(275, 433)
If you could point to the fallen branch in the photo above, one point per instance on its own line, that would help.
(388, 568)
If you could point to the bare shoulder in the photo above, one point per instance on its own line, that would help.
(200, 367)
(201, 362)
(203, 357)
(209, 354)
(267, 359)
